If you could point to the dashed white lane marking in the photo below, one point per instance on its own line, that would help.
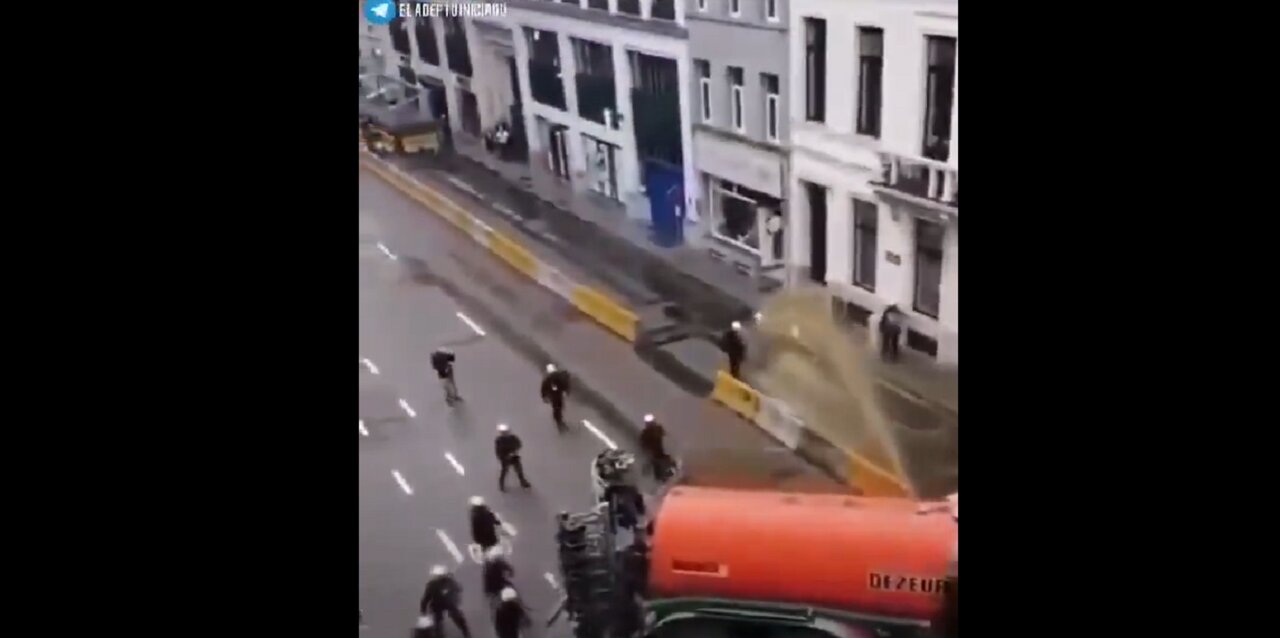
(449, 545)
(456, 465)
(599, 435)
(387, 252)
(904, 394)
(404, 485)
(404, 405)
(551, 580)
(363, 430)
(471, 324)
(369, 364)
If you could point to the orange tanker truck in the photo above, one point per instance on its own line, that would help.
(723, 563)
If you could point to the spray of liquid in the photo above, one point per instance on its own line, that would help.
(808, 361)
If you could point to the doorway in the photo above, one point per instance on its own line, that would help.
(817, 232)
(558, 150)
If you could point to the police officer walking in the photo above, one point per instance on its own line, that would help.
(555, 385)
(442, 360)
(507, 447)
(653, 444)
(442, 596)
(484, 524)
(732, 344)
(497, 574)
(510, 616)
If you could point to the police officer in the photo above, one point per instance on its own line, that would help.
(555, 385)
(652, 443)
(497, 574)
(442, 596)
(507, 447)
(484, 524)
(732, 344)
(510, 616)
(442, 360)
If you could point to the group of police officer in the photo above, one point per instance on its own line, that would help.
(442, 596)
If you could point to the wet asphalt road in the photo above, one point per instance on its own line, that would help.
(421, 461)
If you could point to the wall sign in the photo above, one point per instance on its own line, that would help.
(892, 258)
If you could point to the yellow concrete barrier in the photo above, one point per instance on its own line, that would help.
(606, 312)
(514, 254)
(872, 480)
(736, 396)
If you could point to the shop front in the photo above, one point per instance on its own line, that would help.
(742, 196)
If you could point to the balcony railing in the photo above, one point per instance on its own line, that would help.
(595, 94)
(546, 85)
(922, 178)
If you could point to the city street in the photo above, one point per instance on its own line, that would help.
(420, 461)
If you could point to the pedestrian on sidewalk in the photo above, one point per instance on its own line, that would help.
(555, 386)
(733, 346)
(442, 360)
(507, 447)
(890, 331)
(442, 596)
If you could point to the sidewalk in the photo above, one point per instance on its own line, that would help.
(716, 445)
(600, 237)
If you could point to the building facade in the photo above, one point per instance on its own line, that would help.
(598, 82)
(739, 51)
(874, 184)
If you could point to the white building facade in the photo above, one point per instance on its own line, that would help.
(601, 149)
(874, 183)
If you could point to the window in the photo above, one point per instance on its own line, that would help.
(769, 84)
(663, 10)
(864, 243)
(399, 35)
(702, 5)
(939, 87)
(602, 5)
(704, 88)
(771, 10)
(735, 8)
(815, 63)
(870, 65)
(428, 51)
(735, 98)
(928, 283)
(629, 7)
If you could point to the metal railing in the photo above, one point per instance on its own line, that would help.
(921, 177)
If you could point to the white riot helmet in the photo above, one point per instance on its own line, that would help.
(477, 501)
(508, 594)
(551, 367)
(737, 325)
(502, 427)
(439, 570)
(648, 418)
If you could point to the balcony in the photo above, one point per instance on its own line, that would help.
(921, 181)
(545, 84)
(595, 94)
